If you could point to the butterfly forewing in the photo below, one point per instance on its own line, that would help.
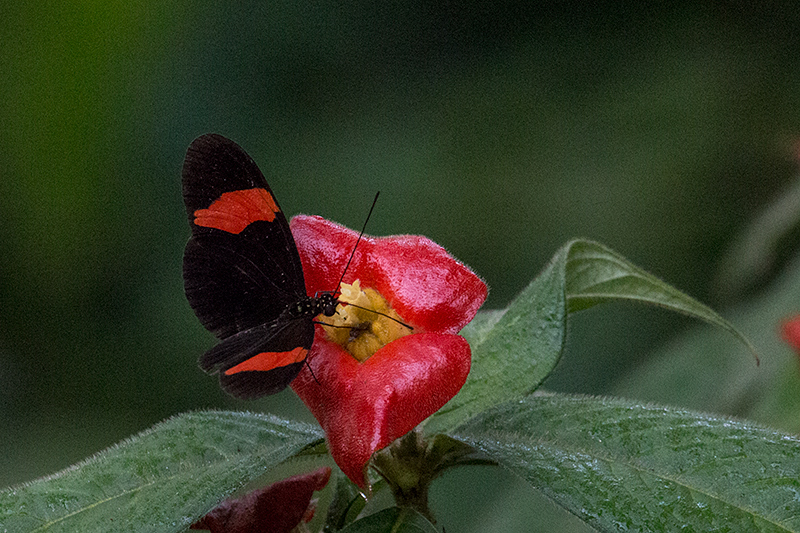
(235, 280)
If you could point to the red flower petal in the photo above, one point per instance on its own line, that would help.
(363, 407)
(420, 280)
(277, 508)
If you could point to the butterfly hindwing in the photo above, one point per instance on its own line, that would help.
(252, 385)
(261, 360)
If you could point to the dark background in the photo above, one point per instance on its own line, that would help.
(499, 130)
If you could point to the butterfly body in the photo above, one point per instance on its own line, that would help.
(242, 272)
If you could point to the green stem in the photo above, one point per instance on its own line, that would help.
(405, 467)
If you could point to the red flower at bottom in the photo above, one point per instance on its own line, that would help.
(392, 357)
(278, 508)
(790, 331)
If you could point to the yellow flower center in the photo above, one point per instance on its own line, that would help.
(366, 325)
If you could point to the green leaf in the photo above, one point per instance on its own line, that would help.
(512, 356)
(346, 504)
(597, 274)
(482, 325)
(392, 520)
(160, 480)
(514, 350)
(622, 466)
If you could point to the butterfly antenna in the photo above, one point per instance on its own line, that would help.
(365, 309)
(382, 314)
(353, 253)
(312, 372)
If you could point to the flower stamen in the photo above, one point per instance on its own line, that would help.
(367, 324)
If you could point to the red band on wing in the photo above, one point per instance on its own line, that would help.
(233, 211)
(267, 361)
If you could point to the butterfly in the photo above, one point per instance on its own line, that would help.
(242, 272)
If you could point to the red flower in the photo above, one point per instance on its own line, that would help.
(375, 379)
(278, 508)
(790, 330)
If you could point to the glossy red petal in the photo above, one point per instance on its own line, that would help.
(419, 279)
(324, 248)
(363, 407)
(425, 283)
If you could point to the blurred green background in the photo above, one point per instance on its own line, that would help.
(500, 130)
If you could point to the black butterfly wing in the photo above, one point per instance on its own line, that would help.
(241, 267)
(262, 360)
(241, 270)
